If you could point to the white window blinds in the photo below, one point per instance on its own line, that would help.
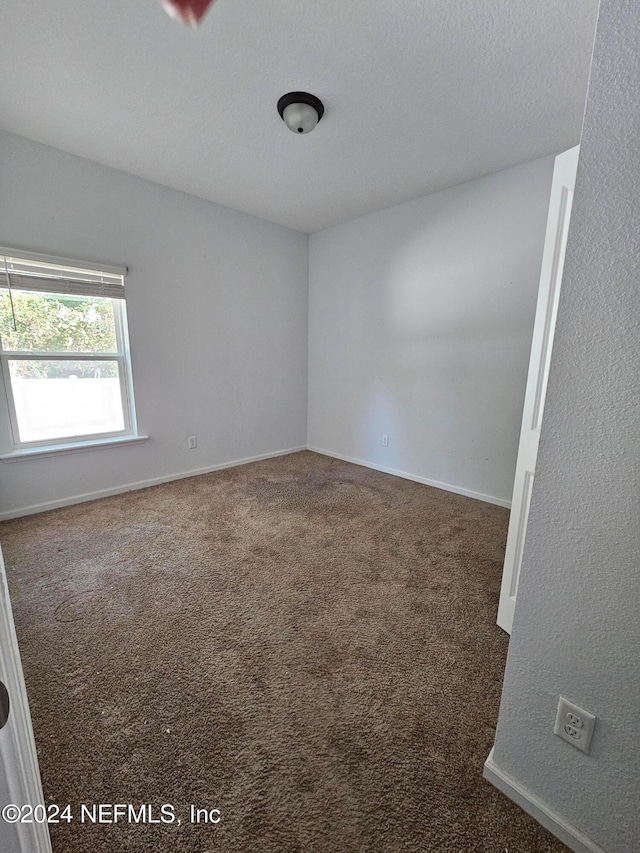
(46, 274)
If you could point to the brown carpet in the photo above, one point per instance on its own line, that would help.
(307, 645)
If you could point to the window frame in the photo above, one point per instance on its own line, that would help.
(121, 355)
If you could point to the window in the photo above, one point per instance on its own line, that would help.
(64, 350)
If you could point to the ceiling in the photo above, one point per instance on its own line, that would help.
(419, 94)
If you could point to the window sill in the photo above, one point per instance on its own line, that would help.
(71, 447)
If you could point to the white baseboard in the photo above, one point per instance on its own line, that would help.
(458, 490)
(167, 478)
(140, 484)
(538, 809)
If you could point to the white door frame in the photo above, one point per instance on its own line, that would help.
(18, 756)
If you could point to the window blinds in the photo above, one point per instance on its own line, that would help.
(45, 274)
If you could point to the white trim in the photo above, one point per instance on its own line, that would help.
(71, 447)
(140, 484)
(168, 478)
(19, 753)
(538, 809)
(447, 487)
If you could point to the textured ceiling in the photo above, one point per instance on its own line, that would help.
(419, 94)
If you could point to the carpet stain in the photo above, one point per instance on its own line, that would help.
(292, 642)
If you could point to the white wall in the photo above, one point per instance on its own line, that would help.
(577, 618)
(217, 306)
(420, 326)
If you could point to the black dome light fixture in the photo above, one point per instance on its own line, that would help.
(300, 111)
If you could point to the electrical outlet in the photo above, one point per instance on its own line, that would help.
(385, 441)
(574, 724)
(192, 442)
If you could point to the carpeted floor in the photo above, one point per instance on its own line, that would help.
(307, 645)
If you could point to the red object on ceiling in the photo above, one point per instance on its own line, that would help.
(187, 11)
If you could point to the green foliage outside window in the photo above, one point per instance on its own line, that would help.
(49, 323)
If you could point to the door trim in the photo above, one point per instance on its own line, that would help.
(19, 753)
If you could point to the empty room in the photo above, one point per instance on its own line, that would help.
(319, 520)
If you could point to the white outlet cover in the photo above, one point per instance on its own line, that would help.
(574, 725)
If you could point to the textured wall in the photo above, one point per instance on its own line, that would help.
(420, 323)
(217, 307)
(577, 620)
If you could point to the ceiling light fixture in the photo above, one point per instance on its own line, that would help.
(300, 111)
